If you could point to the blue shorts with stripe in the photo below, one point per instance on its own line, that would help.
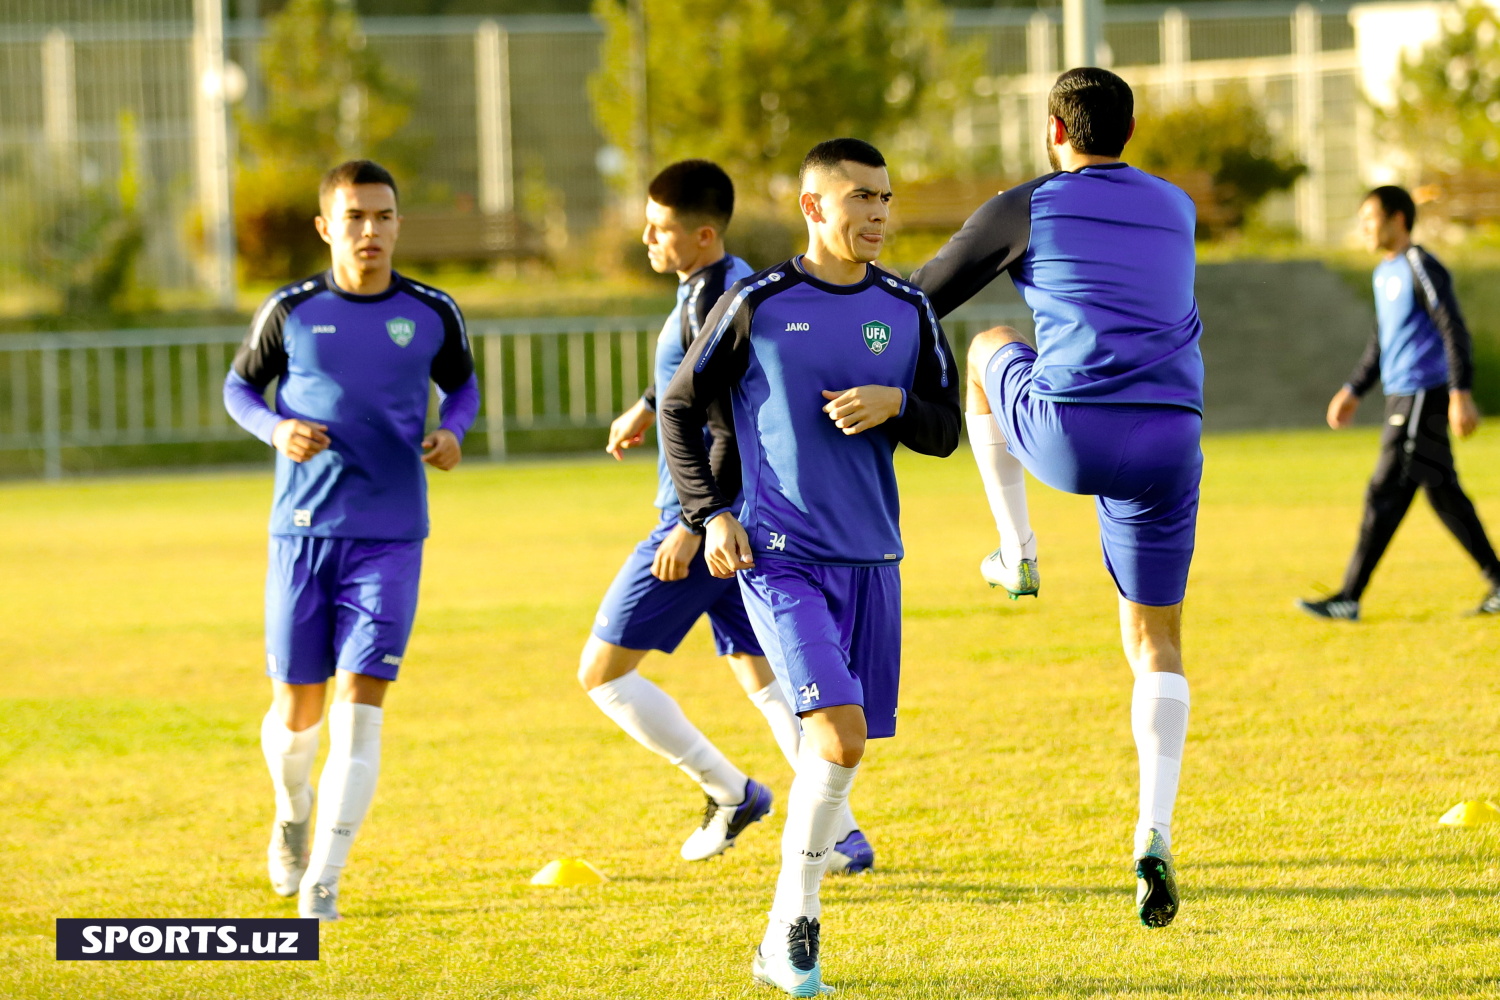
(831, 633)
(1143, 465)
(641, 612)
(339, 604)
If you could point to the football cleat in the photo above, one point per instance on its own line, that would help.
(722, 824)
(1155, 884)
(1335, 608)
(1018, 580)
(1490, 605)
(852, 856)
(318, 902)
(286, 857)
(792, 965)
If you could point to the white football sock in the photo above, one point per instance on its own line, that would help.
(1004, 486)
(657, 723)
(1159, 719)
(817, 801)
(289, 757)
(785, 726)
(345, 789)
(772, 702)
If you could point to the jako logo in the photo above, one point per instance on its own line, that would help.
(798, 326)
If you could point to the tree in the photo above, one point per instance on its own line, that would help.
(1223, 148)
(1447, 113)
(328, 99)
(753, 84)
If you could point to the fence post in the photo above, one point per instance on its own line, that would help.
(1041, 67)
(1307, 48)
(494, 394)
(51, 416)
(1175, 53)
(492, 80)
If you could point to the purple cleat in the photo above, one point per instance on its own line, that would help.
(852, 856)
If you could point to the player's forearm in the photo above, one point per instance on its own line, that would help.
(688, 461)
(458, 409)
(247, 406)
(1368, 369)
(930, 427)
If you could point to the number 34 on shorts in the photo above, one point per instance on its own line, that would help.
(809, 692)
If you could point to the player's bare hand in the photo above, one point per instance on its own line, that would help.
(441, 449)
(629, 429)
(1341, 408)
(675, 554)
(1463, 415)
(856, 410)
(726, 546)
(300, 440)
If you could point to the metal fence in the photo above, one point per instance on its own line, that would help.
(63, 395)
(102, 107)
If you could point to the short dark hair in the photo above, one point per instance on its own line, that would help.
(828, 154)
(697, 189)
(1095, 106)
(1394, 200)
(350, 173)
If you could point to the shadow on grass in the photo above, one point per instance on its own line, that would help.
(1145, 984)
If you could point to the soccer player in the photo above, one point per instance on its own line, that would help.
(1421, 352)
(1110, 401)
(664, 585)
(353, 349)
(829, 363)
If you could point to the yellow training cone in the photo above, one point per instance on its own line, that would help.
(568, 872)
(1474, 812)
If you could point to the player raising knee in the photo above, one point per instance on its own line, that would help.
(828, 363)
(353, 349)
(1110, 402)
(664, 587)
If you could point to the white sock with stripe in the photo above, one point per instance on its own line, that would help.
(656, 722)
(1004, 481)
(1159, 720)
(817, 801)
(289, 757)
(345, 788)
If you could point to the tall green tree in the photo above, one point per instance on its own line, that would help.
(1447, 113)
(328, 99)
(753, 84)
(1224, 142)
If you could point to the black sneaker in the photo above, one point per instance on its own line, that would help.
(1334, 607)
(1490, 605)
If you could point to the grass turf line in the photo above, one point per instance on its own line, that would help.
(1319, 757)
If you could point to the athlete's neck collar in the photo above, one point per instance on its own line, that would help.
(693, 275)
(397, 281)
(828, 286)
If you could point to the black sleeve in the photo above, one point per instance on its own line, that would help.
(649, 397)
(930, 423)
(994, 238)
(454, 362)
(261, 357)
(714, 363)
(1368, 370)
(1442, 305)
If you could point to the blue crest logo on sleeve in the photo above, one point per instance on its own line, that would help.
(877, 336)
(401, 330)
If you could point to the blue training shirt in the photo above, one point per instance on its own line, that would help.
(696, 297)
(775, 341)
(359, 364)
(1104, 257)
(1420, 340)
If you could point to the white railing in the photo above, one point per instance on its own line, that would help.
(61, 392)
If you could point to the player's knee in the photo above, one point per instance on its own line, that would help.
(987, 342)
(600, 663)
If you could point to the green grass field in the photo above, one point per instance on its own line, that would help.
(1319, 758)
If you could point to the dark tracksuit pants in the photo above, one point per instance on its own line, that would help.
(1415, 452)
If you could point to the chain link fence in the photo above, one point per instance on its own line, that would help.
(102, 135)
